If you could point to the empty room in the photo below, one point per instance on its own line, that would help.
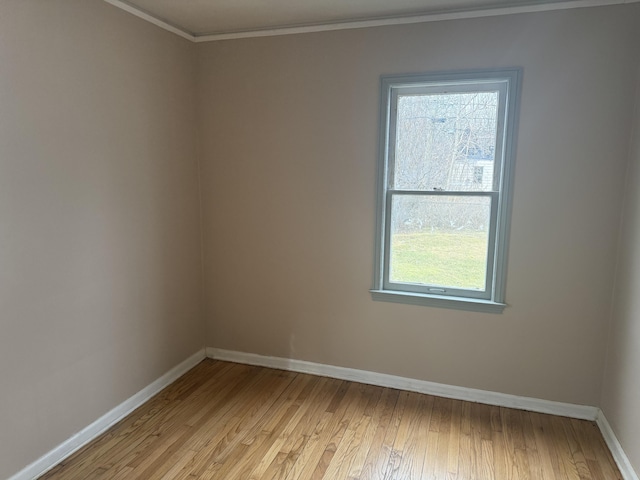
(319, 240)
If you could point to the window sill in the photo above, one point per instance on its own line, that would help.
(457, 303)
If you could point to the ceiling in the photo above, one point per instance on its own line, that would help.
(200, 18)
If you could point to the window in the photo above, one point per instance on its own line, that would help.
(447, 145)
(478, 172)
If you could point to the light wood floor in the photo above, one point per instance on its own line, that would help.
(228, 421)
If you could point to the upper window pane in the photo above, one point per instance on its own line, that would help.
(446, 141)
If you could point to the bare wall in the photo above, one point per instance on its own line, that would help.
(289, 149)
(100, 287)
(621, 390)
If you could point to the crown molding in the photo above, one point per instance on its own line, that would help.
(151, 19)
(366, 23)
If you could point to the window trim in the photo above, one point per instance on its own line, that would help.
(493, 301)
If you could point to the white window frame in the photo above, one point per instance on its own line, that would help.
(507, 83)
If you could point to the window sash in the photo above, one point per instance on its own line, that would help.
(446, 88)
(453, 291)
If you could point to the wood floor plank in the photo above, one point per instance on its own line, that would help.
(338, 457)
(340, 464)
(237, 422)
(564, 449)
(576, 452)
(515, 446)
(382, 421)
(224, 428)
(466, 457)
(455, 424)
(539, 460)
(286, 449)
(444, 434)
(501, 458)
(315, 458)
(379, 411)
(257, 440)
(193, 425)
(486, 469)
(384, 456)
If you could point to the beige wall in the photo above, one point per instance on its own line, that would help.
(100, 244)
(99, 238)
(621, 392)
(289, 138)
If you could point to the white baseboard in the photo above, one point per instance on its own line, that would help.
(77, 441)
(421, 386)
(626, 469)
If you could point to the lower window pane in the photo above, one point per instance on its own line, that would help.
(440, 240)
